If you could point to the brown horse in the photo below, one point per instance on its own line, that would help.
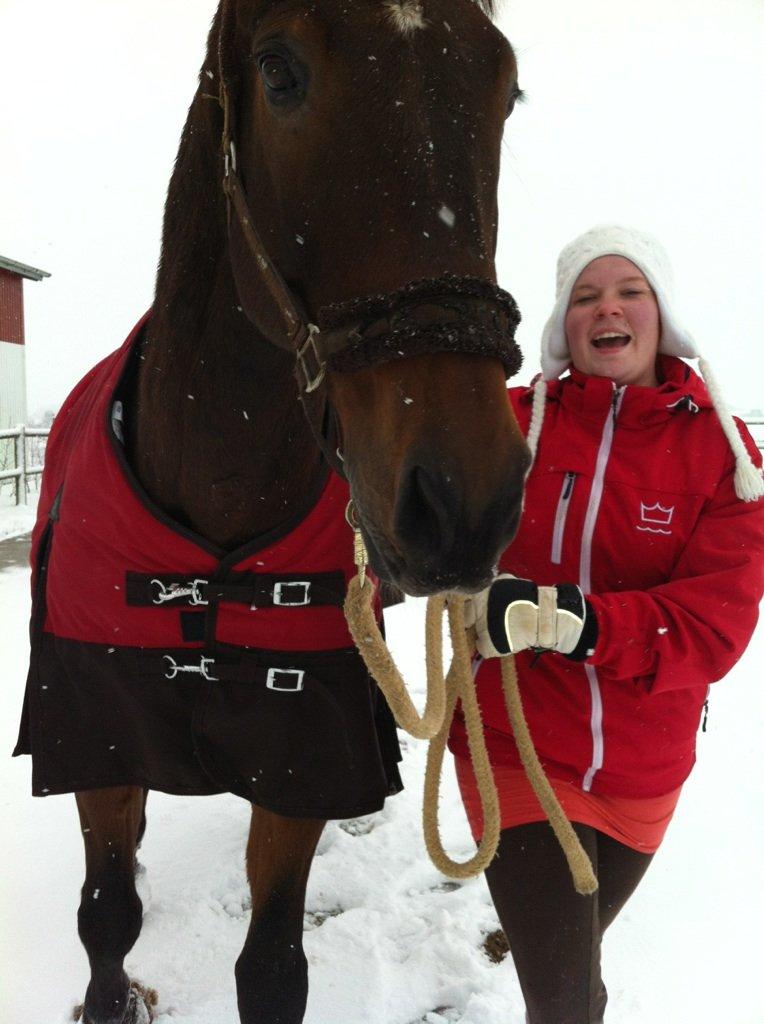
(366, 140)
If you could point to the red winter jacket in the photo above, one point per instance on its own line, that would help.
(631, 496)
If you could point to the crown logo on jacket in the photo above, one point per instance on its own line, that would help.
(656, 513)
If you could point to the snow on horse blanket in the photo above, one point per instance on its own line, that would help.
(162, 661)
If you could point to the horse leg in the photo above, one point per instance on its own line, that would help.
(110, 913)
(272, 972)
(141, 881)
(142, 822)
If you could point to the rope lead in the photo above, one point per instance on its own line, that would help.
(435, 722)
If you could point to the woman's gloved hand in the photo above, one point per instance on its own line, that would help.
(514, 614)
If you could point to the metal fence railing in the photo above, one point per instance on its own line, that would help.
(22, 456)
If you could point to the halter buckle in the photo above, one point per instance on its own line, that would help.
(312, 380)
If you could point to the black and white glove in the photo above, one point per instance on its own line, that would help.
(514, 615)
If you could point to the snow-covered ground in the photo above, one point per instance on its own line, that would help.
(16, 520)
(388, 939)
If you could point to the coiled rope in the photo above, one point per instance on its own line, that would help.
(435, 722)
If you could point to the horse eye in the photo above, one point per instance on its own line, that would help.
(277, 74)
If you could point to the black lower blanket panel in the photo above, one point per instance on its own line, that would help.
(304, 737)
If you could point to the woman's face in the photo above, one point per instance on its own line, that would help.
(613, 324)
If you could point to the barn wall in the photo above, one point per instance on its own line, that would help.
(11, 308)
(13, 392)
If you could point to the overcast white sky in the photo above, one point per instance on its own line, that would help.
(649, 113)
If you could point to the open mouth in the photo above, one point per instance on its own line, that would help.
(611, 340)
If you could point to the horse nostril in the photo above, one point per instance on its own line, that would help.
(426, 512)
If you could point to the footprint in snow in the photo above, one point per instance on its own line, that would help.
(315, 918)
(445, 887)
(235, 905)
(358, 826)
(443, 1015)
(495, 946)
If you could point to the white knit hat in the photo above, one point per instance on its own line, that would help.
(646, 253)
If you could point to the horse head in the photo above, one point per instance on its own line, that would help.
(367, 140)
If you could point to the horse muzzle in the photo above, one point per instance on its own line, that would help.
(442, 538)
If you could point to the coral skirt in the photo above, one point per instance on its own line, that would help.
(639, 823)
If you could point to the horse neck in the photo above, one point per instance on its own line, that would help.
(218, 438)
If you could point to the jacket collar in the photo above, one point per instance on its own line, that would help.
(682, 391)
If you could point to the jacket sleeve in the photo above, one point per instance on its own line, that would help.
(692, 629)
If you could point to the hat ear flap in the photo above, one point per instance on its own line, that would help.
(749, 482)
(555, 354)
(537, 418)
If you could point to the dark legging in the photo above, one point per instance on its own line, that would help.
(554, 934)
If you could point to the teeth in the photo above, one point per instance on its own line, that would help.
(608, 334)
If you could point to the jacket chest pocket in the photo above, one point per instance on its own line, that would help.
(640, 535)
(561, 516)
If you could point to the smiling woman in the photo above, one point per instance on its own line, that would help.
(613, 323)
(636, 573)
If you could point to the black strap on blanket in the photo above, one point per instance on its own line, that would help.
(258, 590)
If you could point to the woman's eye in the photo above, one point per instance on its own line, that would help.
(582, 299)
(277, 74)
(632, 291)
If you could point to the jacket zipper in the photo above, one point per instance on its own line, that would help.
(560, 516)
(704, 717)
(585, 578)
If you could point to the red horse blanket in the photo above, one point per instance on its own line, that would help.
(162, 661)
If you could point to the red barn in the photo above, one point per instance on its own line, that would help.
(13, 401)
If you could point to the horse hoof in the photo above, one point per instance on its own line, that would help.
(139, 1010)
(140, 1004)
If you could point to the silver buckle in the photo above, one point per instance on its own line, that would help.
(272, 684)
(283, 602)
(190, 589)
(201, 668)
(311, 383)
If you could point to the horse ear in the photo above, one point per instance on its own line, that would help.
(222, 46)
(212, 60)
(235, 19)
